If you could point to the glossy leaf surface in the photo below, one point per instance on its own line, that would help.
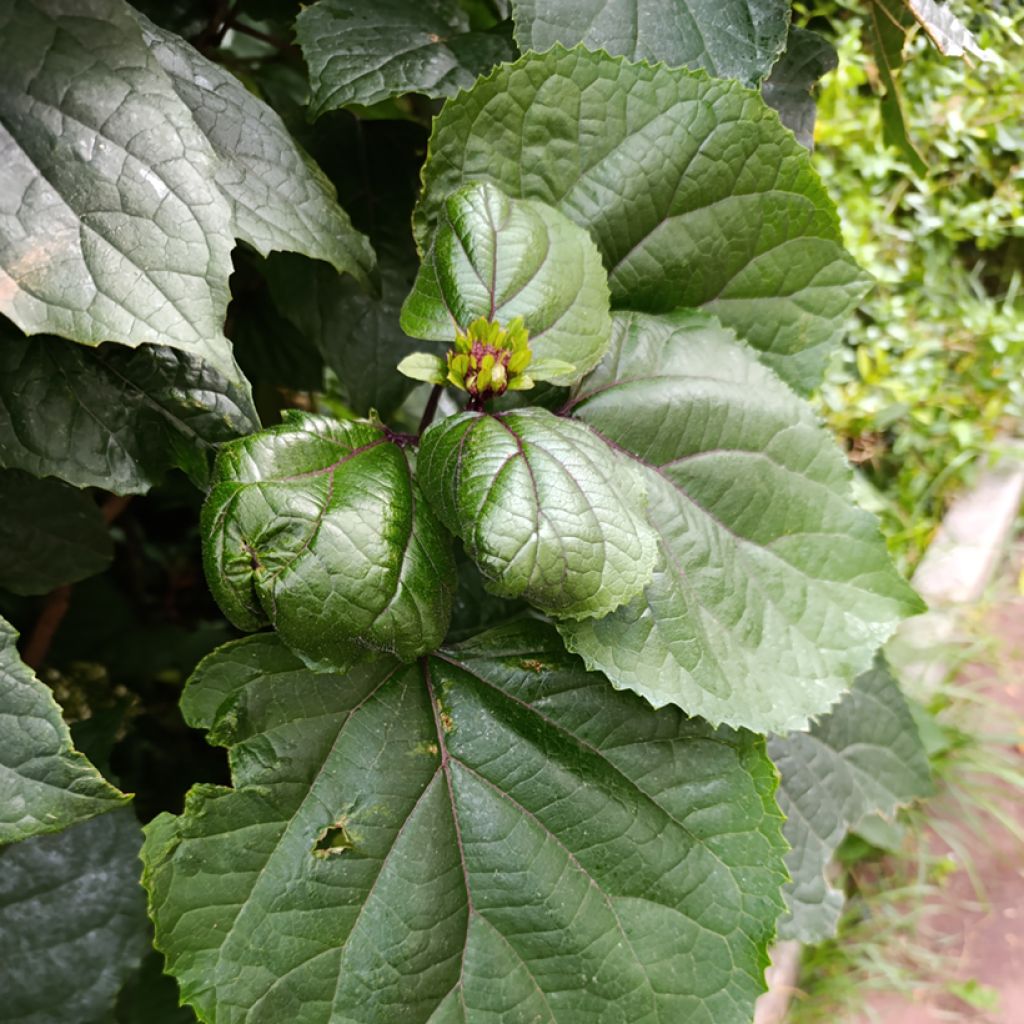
(772, 589)
(45, 784)
(364, 53)
(547, 510)
(494, 834)
(318, 528)
(692, 190)
(728, 38)
(865, 757)
(504, 258)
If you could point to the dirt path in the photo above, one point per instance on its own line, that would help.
(980, 934)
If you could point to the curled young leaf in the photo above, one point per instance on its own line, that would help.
(318, 528)
(548, 511)
(503, 259)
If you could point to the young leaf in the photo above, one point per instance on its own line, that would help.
(863, 758)
(693, 191)
(546, 509)
(50, 534)
(772, 589)
(126, 416)
(118, 228)
(46, 784)
(72, 921)
(318, 528)
(490, 833)
(729, 38)
(364, 53)
(280, 199)
(504, 258)
(808, 58)
(425, 367)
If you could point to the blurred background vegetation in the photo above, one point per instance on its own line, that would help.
(931, 386)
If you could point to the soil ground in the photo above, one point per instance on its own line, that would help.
(978, 925)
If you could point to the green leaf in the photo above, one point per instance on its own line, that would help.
(808, 58)
(117, 227)
(886, 34)
(357, 333)
(425, 367)
(492, 833)
(46, 784)
(504, 258)
(279, 198)
(863, 758)
(546, 509)
(365, 53)
(72, 921)
(149, 997)
(772, 589)
(318, 528)
(729, 38)
(50, 534)
(693, 191)
(125, 416)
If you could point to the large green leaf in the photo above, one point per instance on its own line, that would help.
(863, 758)
(807, 59)
(504, 258)
(318, 528)
(116, 225)
(729, 38)
(279, 198)
(547, 510)
(772, 590)
(364, 53)
(45, 784)
(49, 534)
(113, 417)
(72, 921)
(693, 191)
(492, 834)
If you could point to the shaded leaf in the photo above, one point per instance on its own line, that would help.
(45, 784)
(772, 589)
(279, 198)
(807, 59)
(149, 997)
(503, 258)
(493, 832)
(692, 190)
(318, 528)
(365, 53)
(863, 758)
(729, 38)
(49, 534)
(126, 416)
(886, 30)
(357, 333)
(546, 509)
(72, 921)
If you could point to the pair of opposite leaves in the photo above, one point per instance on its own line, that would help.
(320, 528)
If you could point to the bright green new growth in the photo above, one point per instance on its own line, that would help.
(547, 510)
(318, 528)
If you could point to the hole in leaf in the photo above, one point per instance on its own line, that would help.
(333, 839)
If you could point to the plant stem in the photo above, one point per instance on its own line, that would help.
(430, 409)
(38, 644)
